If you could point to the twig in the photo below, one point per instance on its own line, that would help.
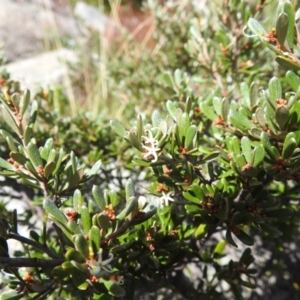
(32, 243)
(7, 262)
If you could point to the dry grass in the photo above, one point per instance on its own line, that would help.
(138, 29)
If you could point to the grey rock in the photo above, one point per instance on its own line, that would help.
(24, 25)
(42, 70)
(91, 16)
(94, 19)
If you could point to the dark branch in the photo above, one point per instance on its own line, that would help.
(32, 243)
(6, 262)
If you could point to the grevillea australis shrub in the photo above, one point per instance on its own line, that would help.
(180, 199)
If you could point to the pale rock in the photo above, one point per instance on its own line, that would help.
(44, 70)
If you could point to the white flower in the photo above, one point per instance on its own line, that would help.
(165, 198)
(150, 145)
(96, 266)
(142, 201)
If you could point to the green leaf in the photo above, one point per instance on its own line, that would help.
(103, 221)
(217, 104)
(197, 191)
(11, 144)
(49, 145)
(279, 213)
(114, 289)
(85, 219)
(255, 132)
(201, 231)
(27, 135)
(225, 109)
(140, 162)
(236, 218)
(239, 121)
(34, 154)
(132, 137)
(44, 152)
(208, 112)
(99, 197)
(289, 10)
(265, 203)
(95, 169)
(246, 148)
(184, 124)
(140, 127)
(253, 93)
(113, 198)
(61, 156)
(240, 161)
(282, 116)
(270, 229)
(288, 63)
(171, 107)
(258, 155)
(73, 160)
(79, 279)
(94, 239)
(34, 235)
(81, 245)
(156, 118)
(73, 254)
(51, 208)
(190, 135)
(282, 28)
(229, 238)
(293, 80)
(7, 118)
(267, 146)
(289, 146)
(30, 183)
(247, 218)
(12, 296)
(210, 157)
(178, 77)
(18, 157)
(130, 210)
(118, 128)
(220, 247)
(59, 272)
(49, 169)
(122, 247)
(144, 217)
(190, 197)
(244, 238)
(24, 102)
(73, 178)
(167, 79)
(260, 117)
(129, 188)
(33, 114)
(275, 91)
(245, 93)
(255, 27)
(77, 200)
(235, 145)
(246, 258)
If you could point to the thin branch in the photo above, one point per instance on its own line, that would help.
(7, 262)
(32, 243)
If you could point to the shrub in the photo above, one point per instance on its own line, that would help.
(189, 196)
